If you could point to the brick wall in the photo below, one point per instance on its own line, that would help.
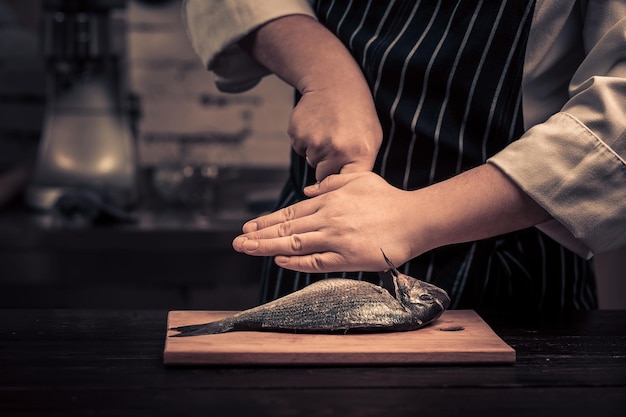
(185, 120)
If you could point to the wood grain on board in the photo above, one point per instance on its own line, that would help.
(458, 336)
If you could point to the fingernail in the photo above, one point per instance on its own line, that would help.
(250, 245)
(238, 241)
(312, 188)
(250, 227)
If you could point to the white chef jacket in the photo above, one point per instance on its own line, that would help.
(572, 158)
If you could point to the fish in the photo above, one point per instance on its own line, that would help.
(338, 305)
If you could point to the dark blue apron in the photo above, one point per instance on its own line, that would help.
(446, 79)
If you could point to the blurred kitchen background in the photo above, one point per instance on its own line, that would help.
(125, 174)
(82, 82)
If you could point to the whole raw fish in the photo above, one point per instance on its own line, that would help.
(338, 305)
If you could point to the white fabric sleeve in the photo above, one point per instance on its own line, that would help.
(215, 26)
(574, 163)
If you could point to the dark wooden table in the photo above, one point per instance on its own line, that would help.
(109, 363)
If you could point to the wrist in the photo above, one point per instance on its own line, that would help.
(425, 226)
(304, 54)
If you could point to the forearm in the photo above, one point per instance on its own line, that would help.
(477, 204)
(304, 54)
(351, 217)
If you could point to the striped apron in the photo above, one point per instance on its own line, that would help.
(446, 79)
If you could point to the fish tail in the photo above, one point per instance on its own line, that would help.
(201, 329)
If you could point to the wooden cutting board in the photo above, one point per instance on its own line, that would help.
(458, 336)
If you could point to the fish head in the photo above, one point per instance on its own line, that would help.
(419, 296)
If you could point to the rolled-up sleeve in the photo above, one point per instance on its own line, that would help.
(214, 28)
(574, 163)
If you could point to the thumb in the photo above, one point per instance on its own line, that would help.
(328, 167)
(356, 166)
(330, 183)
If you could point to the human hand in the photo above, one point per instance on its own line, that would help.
(343, 228)
(351, 217)
(334, 125)
(335, 131)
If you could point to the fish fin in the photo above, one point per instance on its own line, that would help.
(389, 277)
(201, 329)
(392, 267)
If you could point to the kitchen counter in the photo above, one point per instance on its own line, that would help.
(110, 363)
(165, 260)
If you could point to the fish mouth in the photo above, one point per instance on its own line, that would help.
(441, 298)
(439, 295)
(440, 304)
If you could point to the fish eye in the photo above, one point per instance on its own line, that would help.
(426, 297)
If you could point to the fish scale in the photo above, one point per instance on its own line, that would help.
(338, 305)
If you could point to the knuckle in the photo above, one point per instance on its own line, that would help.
(293, 127)
(296, 243)
(289, 213)
(329, 182)
(284, 229)
(317, 262)
(292, 131)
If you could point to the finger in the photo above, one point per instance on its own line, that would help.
(314, 263)
(298, 145)
(356, 166)
(325, 168)
(330, 183)
(284, 229)
(293, 245)
(295, 211)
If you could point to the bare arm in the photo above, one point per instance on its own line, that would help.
(353, 216)
(335, 123)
